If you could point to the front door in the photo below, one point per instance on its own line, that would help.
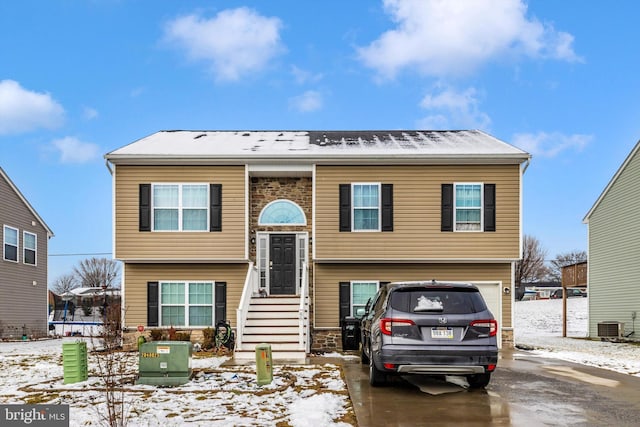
(282, 251)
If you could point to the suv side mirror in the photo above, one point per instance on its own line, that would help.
(360, 312)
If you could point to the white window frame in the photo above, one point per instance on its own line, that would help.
(5, 243)
(180, 208)
(353, 207)
(186, 304)
(34, 249)
(292, 204)
(355, 282)
(455, 208)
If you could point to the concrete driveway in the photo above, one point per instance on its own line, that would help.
(525, 390)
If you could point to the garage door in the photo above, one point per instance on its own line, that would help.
(491, 293)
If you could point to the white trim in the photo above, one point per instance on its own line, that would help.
(247, 191)
(304, 217)
(4, 243)
(353, 207)
(313, 222)
(180, 208)
(455, 209)
(186, 304)
(113, 217)
(351, 283)
(266, 235)
(415, 260)
(24, 248)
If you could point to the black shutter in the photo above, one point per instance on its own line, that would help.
(221, 301)
(387, 207)
(345, 207)
(152, 303)
(145, 208)
(215, 196)
(345, 300)
(489, 207)
(446, 220)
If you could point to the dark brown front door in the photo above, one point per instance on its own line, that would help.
(283, 264)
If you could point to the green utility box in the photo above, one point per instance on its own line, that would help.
(74, 362)
(165, 363)
(264, 366)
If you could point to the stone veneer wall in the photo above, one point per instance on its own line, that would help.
(327, 340)
(265, 190)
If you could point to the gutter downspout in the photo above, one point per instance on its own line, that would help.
(108, 165)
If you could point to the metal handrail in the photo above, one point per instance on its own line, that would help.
(245, 300)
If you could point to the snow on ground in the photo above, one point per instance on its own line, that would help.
(538, 326)
(221, 395)
(216, 396)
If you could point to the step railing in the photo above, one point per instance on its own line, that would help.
(250, 286)
(303, 311)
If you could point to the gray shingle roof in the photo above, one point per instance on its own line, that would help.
(399, 146)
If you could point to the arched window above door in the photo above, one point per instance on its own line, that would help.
(282, 212)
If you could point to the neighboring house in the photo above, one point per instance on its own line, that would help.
(23, 267)
(614, 249)
(206, 220)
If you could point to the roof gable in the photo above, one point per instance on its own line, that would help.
(612, 182)
(25, 201)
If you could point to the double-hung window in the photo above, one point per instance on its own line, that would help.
(29, 247)
(360, 294)
(186, 303)
(180, 207)
(366, 207)
(10, 243)
(468, 206)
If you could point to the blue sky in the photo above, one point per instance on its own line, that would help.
(81, 78)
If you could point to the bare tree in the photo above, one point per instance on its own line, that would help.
(98, 272)
(531, 268)
(564, 259)
(64, 283)
(114, 369)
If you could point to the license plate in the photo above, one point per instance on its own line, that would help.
(442, 333)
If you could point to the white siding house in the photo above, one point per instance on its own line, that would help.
(614, 252)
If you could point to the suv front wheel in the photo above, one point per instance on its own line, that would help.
(479, 380)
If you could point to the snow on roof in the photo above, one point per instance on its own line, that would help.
(316, 146)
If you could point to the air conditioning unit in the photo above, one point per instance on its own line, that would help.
(610, 329)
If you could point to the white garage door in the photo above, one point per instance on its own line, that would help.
(492, 295)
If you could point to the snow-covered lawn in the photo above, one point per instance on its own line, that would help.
(217, 395)
(538, 326)
(310, 395)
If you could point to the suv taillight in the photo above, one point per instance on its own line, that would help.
(387, 323)
(492, 324)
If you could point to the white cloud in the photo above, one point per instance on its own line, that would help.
(451, 109)
(22, 110)
(442, 37)
(90, 113)
(550, 144)
(303, 76)
(236, 42)
(309, 101)
(72, 150)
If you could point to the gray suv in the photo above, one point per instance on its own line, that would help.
(429, 328)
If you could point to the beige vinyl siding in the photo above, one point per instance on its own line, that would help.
(137, 276)
(417, 214)
(22, 302)
(614, 247)
(133, 244)
(328, 276)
